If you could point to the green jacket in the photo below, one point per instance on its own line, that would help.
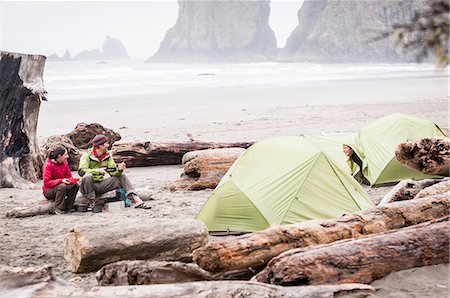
(89, 163)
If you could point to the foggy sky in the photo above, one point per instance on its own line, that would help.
(48, 27)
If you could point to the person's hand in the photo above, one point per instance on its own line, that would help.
(65, 181)
(122, 166)
(102, 171)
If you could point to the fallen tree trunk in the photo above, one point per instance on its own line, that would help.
(39, 282)
(156, 272)
(88, 248)
(21, 93)
(254, 250)
(429, 155)
(362, 260)
(436, 189)
(205, 168)
(407, 190)
(141, 154)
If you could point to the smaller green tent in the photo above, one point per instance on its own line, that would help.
(283, 180)
(377, 143)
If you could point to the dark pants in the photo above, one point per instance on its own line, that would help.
(63, 195)
(91, 189)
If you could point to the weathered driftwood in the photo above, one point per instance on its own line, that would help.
(83, 133)
(254, 250)
(429, 155)
(361, 260)
(141, 153)
(44, 206)
(436, 189)
(159, 272)
(205, 168)
(406, 190)
(88, 248)
(21, 93)
(39, 282)
(40, 207)
(74, 152)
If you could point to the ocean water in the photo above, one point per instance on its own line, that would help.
(87, 80)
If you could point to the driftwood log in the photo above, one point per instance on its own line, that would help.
(254, 250)
(44, 206)
(205, 168)
(88, 248)
(21, 93)
(361, 260)
(159, 272)
(83, 133)
(429, 155)
(436, 189)
(39, 282)
(141, 154)
(74, 152)
(407, 190)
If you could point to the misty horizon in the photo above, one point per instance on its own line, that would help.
(80, 26)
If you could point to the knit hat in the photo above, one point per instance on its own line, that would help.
(99, 140)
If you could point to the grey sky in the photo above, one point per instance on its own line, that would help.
(47, 27)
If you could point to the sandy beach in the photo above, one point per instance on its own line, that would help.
(38, 240)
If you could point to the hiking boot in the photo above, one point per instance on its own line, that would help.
(58, 211)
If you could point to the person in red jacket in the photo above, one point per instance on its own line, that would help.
(58, 181)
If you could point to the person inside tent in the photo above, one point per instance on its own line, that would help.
(97, 163)
(355, 163)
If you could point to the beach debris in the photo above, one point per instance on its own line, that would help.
(83, 133)
(41, 282)
(146, 153)
(40, 207)
(88, 248)
(255, 250)
(205, 168)
(428, 155)
(22, 90)
(442, 187)
(361, 260)
(159, 272)
(407, 190)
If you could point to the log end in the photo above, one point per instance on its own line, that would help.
(73, 251)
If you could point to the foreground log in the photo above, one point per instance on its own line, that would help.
(362, 260)
(254, 250)
(141, 154)
(88, 248)
(39, 282)
(41, 207)
(21, 93)
(83, 133)
(429, 155)
(407, 190)
(157, 272)
(205, 168)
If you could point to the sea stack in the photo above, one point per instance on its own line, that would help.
(219, 31)
(345, 31)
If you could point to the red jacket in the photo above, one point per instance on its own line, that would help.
(53, 173)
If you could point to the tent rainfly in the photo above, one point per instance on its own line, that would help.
(284, 180)
(377, 143)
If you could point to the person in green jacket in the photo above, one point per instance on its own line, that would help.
(98, 162)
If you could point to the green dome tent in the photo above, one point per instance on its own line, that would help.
(284, 180)
(378, 141)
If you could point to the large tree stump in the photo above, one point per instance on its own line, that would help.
(21, 93)
(407, 190)
(88, 248)
(254, 250)
(362, 260)
(39, 282)
(429, 155)
(141, 154)
(205, 168)
(83, 133)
